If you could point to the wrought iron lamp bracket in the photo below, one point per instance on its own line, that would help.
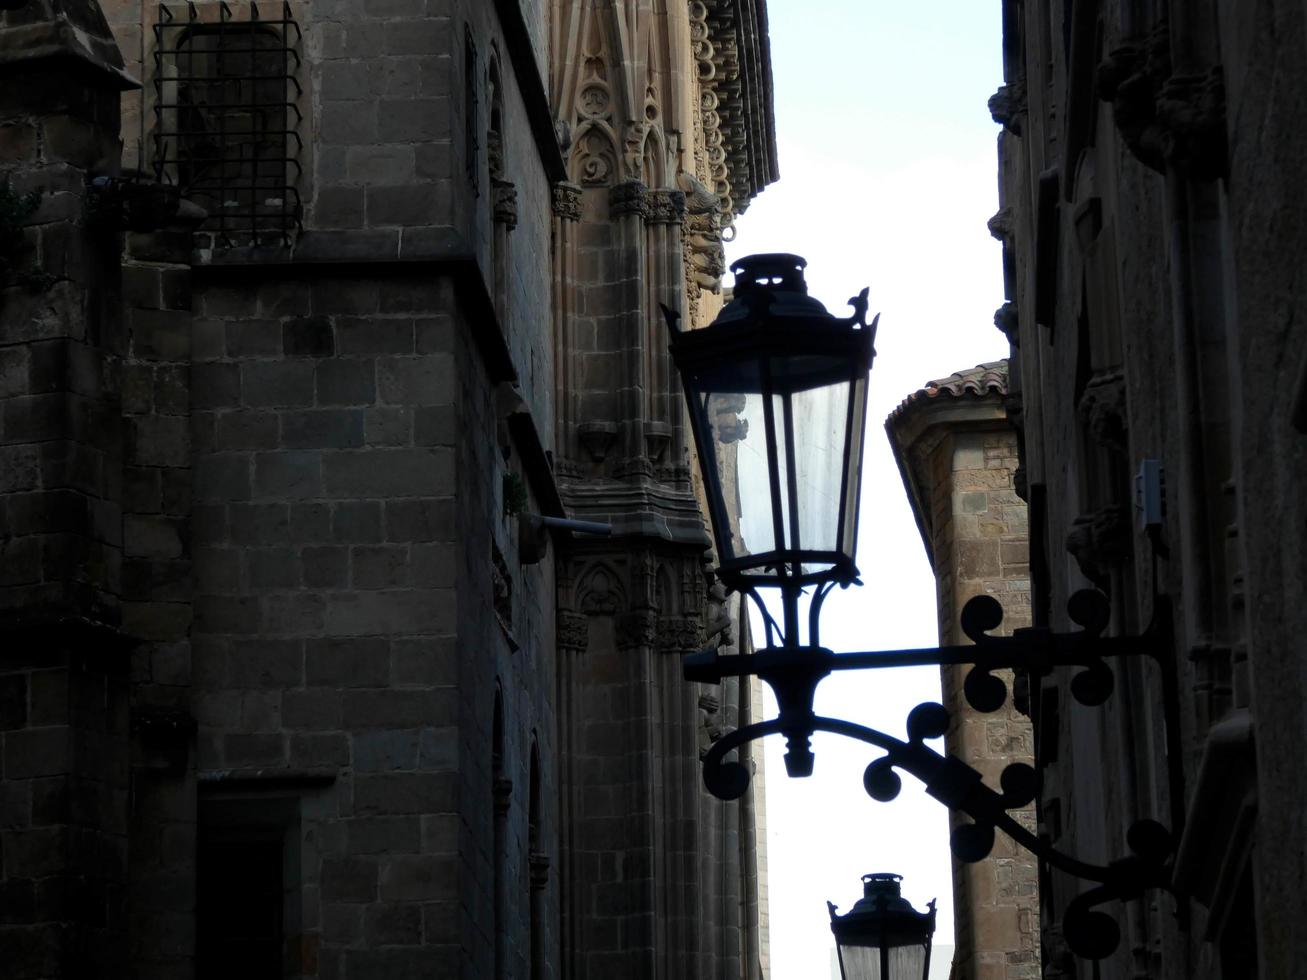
(793, 673)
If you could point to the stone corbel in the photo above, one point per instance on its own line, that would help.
(1191, 110)
(657, 437)
(1164, 118)
(1005, 319)
(1000, 225)
(504, 202)
(1099, 541)
(597, 438)
(1008, 106)
(1102, 409)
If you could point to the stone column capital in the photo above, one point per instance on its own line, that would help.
(567, 201)
(628, 197)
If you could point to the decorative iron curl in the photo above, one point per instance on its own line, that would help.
(1089, 933)
(1038, 651)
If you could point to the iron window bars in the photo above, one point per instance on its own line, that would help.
(227, 118)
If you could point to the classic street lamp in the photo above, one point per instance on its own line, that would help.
(776, 388)
(883, 937)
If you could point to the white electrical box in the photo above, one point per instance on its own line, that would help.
(1150, 493)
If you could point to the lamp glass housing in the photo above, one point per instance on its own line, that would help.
(883, 937)
(777, 392)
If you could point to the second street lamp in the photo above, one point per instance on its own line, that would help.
(883, 937)
(776, 389)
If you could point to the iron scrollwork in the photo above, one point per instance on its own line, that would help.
(794, 673)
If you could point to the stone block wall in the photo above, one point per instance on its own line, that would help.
(959, 459)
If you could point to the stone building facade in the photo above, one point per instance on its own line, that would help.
(313, 315)
(1154, 235)
(957, 452)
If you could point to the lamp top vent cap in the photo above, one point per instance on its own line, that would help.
(771, 285)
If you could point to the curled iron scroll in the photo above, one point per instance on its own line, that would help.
(983, 614)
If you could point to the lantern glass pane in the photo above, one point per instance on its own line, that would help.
(848, 531)
(818, 423)
(863, 962)
(739, 438)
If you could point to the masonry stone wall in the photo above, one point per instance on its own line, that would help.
(959, 457)
(1153, 236)
(272, 511)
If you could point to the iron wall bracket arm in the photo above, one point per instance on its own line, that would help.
(793, 673)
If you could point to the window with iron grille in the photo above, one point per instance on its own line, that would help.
(227, 118)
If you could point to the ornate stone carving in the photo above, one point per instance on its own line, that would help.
(717, 626)
(705, 256)
(710, 729)
(634, 466)
(679, 634)
(666, 207)
(1191, 108)
(1005, 318)
(504, 202)
(572, 630)
(599, 591)
(1103, 411)
(567, 201)
(628, 197)
(1000, 225)
(1166, 118)
(1098, 541)
(636, 629)
(1008, 106)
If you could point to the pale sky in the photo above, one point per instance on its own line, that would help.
(888, 176)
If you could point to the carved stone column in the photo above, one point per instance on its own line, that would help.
(567, 206)
(628, 207)
(664, 435)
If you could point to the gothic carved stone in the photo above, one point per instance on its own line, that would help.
(1166, 118)
(504, 202)
(1000, 225)
(1005, 318)
(705, 255)
(1191, 108)
(710, 729)
(666, 207)
(679, 634)
(727, 423)
(717, 626)
(628, 197)
(567, 201)
(597, 438)
(637, 629)
(599, 590)
(1102, 409)
(1008, 106)
(573, 631)
(1099, 541)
